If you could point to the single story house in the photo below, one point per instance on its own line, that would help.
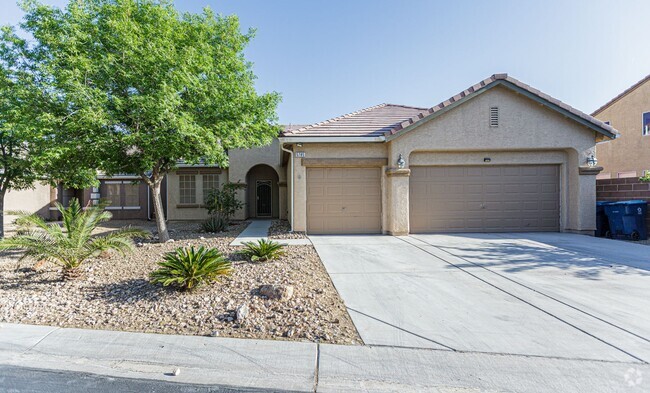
(500, 156)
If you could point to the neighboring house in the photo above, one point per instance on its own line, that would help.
(499, 156)
(35, 200)
(629, 113)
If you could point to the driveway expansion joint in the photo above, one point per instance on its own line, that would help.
(515, 296)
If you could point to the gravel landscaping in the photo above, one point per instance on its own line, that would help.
(114, 293)
(280, 230)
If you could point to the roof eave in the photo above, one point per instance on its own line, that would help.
(332, 139)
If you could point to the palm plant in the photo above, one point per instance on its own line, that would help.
(187, 268)
(262, 251)
(72, 243)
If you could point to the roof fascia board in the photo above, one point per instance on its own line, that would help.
(331, 139)
(442, 111)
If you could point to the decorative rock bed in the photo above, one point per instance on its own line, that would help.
(114, 293)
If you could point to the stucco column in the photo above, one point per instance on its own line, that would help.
(397, 181)
(300, 196)
(283, 199)
(242, 213)
(587, 207)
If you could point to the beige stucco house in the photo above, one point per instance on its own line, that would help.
(629, 113)
(499, 156)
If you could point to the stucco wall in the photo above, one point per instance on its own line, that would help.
(240, 163)
(525, 128)
(631, 150)
(36, 200)
(527, 134)
(177, 211)
(324, 150)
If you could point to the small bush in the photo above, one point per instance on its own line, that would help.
(263, 250)
(188, 268)
(223, 202)
(214, 224)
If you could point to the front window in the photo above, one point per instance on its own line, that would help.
(131, 194)
(113, 193)
(187, 188)
(646, 123)
(210, 183)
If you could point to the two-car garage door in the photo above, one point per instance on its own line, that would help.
(484, 198)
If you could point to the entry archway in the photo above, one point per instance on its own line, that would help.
(262, 192)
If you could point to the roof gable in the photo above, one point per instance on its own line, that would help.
(605, 130)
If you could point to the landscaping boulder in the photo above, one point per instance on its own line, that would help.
(277, 292)
(242, 312)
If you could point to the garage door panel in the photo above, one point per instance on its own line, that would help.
(343, 200)
(484, 198)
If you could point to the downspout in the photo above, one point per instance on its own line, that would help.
(292, 180)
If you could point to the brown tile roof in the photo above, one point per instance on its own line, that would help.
(510, 82)
(370, 122)
(387, 119)
(623, 94)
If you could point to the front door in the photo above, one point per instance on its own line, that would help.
(264, 198)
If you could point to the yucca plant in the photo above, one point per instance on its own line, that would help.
(71, 244)
(188, 268)
(215, 223)
(262, 251)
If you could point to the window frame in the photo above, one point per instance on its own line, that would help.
(183, 188)
(206, 190)
(645, 128)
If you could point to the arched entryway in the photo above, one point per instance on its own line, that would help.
(262, 192)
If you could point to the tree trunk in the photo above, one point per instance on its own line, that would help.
(163, 234)
(2, 213)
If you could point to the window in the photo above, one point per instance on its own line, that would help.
(494, 116)
(187, 188)
(113, 193)
(131, 194)
(646, 123)
(210, 182)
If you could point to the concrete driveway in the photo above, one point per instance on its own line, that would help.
(545, 294)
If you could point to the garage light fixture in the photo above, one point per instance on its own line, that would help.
(592, 161)
(400, 162)
(487, 159)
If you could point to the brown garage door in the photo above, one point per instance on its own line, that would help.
(484, 198)
(343, 200)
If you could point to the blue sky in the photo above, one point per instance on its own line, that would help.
(331, 57)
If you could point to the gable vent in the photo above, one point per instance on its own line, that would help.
(494, 116)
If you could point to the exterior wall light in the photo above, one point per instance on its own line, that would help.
(592, 161)
(400, 162)
(487, 159)
(299, 144)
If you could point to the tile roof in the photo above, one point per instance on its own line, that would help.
(387, 119)
(623, 94)
(369, 122)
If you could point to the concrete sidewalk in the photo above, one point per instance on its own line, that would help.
(239, 364)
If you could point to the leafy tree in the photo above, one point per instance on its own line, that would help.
(145, 86)
(223, 202)
(73, 243)
(28, 150)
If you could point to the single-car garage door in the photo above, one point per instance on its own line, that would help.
(484, 198)
(343, 200)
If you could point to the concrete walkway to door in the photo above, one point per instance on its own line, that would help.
(259, 229)
(548, 295)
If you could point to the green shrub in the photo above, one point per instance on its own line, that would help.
(188, 268)
(215, 223)
(645, 178)
(223, 202)
(263, 250)
(73, 243)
